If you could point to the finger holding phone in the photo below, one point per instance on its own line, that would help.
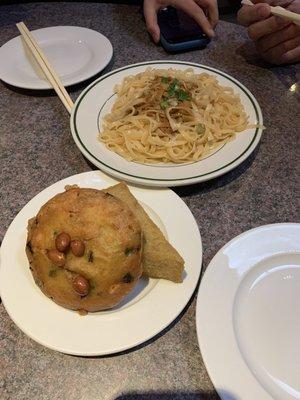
(277, 40)
(204, 12)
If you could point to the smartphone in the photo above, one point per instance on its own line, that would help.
(179, 32)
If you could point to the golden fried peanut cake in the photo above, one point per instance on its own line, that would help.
(84, 249)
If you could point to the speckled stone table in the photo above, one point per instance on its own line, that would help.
(37, 150)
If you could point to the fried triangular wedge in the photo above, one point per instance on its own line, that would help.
(160, 259)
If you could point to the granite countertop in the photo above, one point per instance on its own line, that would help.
(37, 150)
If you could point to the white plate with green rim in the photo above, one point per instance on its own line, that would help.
(96, 101)
(75, 52)
(248, 315)
(147, 310)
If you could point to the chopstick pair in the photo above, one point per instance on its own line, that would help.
(279, 12)
(46, 67)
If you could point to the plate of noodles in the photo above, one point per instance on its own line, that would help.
(163, 123)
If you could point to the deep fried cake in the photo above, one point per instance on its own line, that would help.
(160, 259)
(109, 235)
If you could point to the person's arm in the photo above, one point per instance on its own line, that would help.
(204, 12)
(276, 39)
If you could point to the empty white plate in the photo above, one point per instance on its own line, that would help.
(76, 54)
(248, 315)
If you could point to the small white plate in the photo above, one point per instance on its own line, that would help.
(75, 53)
(248, 315)
(151, 307)
(96, 101)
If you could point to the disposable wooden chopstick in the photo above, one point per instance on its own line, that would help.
(280, 12)
(46, 67)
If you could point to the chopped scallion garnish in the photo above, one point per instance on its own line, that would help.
(182, 95)
(200, 129)
(164, 104)
(174, 93)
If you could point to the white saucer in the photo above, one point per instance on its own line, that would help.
(148, 309)
(76, 54)
(248, 315)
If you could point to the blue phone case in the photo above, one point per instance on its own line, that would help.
(183, 46)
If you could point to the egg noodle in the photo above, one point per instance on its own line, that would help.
(171, 116)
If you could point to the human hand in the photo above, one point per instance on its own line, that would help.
(204, 12)
(276, 39)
